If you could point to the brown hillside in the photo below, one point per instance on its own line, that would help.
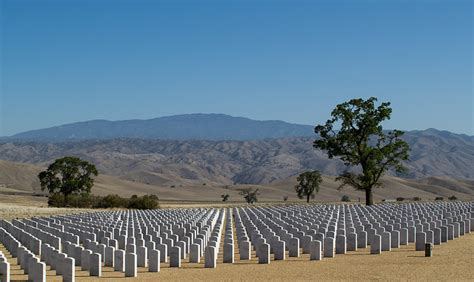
(23, 177)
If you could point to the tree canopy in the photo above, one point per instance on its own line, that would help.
(308, 183)
(68, 175)
(225, 197)
(250, 195)
(360, 141)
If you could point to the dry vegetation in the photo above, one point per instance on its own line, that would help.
(23, 178)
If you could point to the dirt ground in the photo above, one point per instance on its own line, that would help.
(21, 206)
(452, 261)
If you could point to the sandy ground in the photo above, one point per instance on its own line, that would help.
(452, 261)
(21, 206)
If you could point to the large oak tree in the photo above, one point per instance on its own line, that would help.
(355, 135)
(68, 175)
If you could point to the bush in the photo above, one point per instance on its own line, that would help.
(112, 201)
(453, 198)
(400, 199)
(439, 198)
(144, 202)
(82, 201)
(345, 198)
(74, 201)
(416, 199)
(225, 197)
(56, 200)
(109, 201)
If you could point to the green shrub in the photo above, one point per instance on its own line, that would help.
(112, 201)
(225, 197)
(345, 198)
(144, 202)
(56, 200)
(109, 201)
(82, 201)
(416, 199)
(439, 198)
(453, 198)
(400, 199)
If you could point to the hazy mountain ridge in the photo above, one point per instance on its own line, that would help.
(179, 127)
(169, 162)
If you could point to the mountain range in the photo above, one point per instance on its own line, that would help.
(201, 152)
(274, 153)
(179, 127)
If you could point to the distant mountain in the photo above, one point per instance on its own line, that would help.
(171, 162)
(179, 127)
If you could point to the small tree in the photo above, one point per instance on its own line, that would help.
(225, 197)
(361, 142)
(68, 175)
(308, 183)
(345, 198)
(249, 194)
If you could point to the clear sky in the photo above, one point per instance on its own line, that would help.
(67, 61)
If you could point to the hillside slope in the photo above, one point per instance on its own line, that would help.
(21, 177)
(173, 162)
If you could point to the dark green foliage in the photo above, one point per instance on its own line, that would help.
(250, 195)
(439, 198)
(74, 201)
(400, 199)
(68, 176)
(109, 201)
(416, 199)
(285, 198)
(452, 198)
(308, 183)
(144, 202)
(56, 200)
(225, 197)
(361, 142)
(112, 201)
(345, 198)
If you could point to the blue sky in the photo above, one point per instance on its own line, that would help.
(67, 61)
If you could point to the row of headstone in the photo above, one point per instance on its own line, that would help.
(126, 240)
(212, 248)
(338, 229)
(4, 268)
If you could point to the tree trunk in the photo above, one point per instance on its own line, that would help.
(369, 198)
(307, 198)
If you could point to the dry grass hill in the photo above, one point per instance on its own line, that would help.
(22, 177)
